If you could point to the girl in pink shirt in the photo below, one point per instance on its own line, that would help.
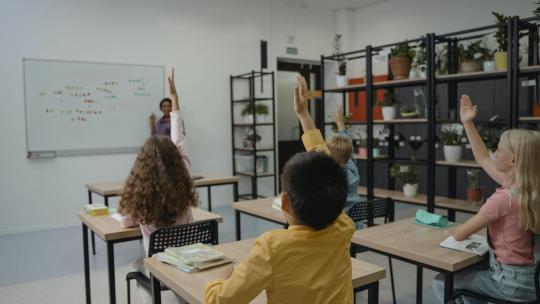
(511, 214)
(159, 191)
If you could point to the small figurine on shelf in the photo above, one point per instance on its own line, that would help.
(251, 138)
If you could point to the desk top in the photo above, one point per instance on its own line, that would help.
(116, 188)
(108, 229)
(415, 242)
(190, 286)
(261, 208)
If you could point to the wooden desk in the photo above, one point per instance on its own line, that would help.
(259, 208)
(190, 286)
(111, 189)
(110, 231)
(419, 245)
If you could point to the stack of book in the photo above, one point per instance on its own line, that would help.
(96, 209)
(193, 257)
(276, 203)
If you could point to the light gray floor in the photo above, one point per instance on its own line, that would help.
(39, 262)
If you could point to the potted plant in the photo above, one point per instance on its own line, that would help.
(419, 66)
(388, 105)
(490, 133)
(251, 138)
(376, 147)
(341, 79)
(474, 191)
(471, 57)
(450, 138)
(261, 164)
(408, 177)
(362, 151)
(400, 60)
(248, 112)
(442, 60)
(409, 111)
(501, 56)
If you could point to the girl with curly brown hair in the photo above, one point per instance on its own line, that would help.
(159, 191)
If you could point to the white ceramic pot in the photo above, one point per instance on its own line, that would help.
(342, 81)
(489, 66)
(452, 153)
(410, 189)
(248, 118)
(388, 113)
(261, 118)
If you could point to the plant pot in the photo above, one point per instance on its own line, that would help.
(248, 143)
(362, 152)
(474, 195)
(342, 81)
(501, 60)
(410, 189)
(261, 118)
(489, 66)
(261, 164)
(404, 169)
(400, 67)
(376, 152)
(388, 113)
(248, 118)
(452, 153)
(470, 67)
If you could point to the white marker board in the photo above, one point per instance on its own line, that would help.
(77, 108)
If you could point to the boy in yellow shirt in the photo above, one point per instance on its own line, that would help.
(309, 262)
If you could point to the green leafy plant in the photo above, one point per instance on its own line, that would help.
(472, 177)
(376, 142)
(491, 133)
(409, 176)
(402, 50)
(389, 100)
(442, 60)
(451, 135)
(502, 34)
(253, 136)
(473, 52)
(338, 54)
(259, 108)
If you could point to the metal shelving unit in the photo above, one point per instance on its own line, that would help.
(253, 176)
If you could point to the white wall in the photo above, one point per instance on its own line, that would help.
(397, 20)
(205, 40)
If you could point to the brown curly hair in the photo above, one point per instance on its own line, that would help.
(159, 188)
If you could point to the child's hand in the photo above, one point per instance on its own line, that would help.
(172, 87)
(468, 111)
(338, 117)
(152, 118)
(301, 96)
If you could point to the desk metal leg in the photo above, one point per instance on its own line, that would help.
(86, 264)
(238, 229)
(92, 234)
(373, 293)
(451, 215)
(448, 286)
(110, 266)
(419, 279)
(235, 191)
(106, 200)
(155, 288)
(209, 191)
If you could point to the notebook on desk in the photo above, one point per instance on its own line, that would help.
(475, 244)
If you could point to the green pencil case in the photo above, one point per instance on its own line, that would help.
(426, 218)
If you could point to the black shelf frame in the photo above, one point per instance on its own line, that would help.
(250, 77)
(514, 27)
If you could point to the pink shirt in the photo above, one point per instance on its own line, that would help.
(177, 137)
(511, 244)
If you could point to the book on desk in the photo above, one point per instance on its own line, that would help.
(193, 257)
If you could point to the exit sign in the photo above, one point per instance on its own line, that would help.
(292, 51)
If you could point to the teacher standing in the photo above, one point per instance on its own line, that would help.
(163, 125)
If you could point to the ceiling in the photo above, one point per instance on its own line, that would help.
(338, 4)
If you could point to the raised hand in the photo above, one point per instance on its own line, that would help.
(467, 112)
(172, 87)
(338, 117)
(301, 96)
(152, 118)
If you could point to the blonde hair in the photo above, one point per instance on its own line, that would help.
(340, 148)
(525, 145)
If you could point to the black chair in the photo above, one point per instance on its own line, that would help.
(368, 211)
(174, 236)
(475, 295)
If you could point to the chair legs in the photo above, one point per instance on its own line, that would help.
(128, 292)
(392, 280)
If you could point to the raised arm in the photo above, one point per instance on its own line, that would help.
(152, 123)
(177, 123)
(467, 114)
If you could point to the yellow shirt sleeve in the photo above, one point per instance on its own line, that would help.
(313, 141)
(248, 279)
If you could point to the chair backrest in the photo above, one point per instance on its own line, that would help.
(369, 210)
(180, 235)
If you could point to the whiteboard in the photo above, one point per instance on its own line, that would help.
(77, 108)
